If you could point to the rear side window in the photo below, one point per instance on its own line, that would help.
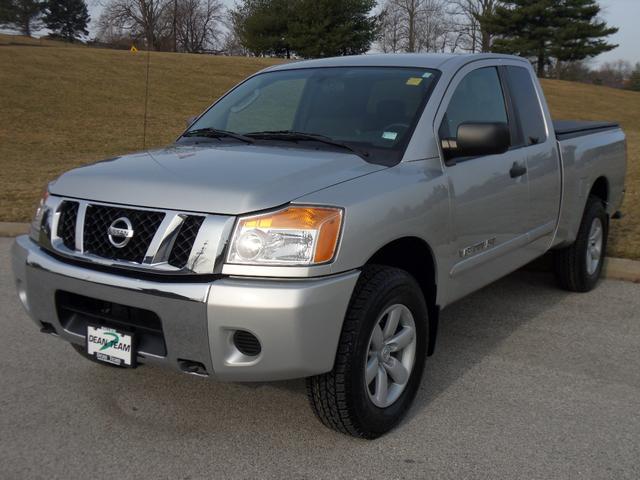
(478, 98)
(526, 105)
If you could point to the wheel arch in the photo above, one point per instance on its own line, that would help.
(600, 189)
(415, 256)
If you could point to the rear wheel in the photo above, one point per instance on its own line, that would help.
(380, 356)
(579, 266)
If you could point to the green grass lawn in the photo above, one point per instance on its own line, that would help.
(62, 106)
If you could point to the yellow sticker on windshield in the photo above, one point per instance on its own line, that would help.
(414, 81)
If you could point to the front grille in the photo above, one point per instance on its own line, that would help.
(95, 220)
(184, 241)
(99, 218)
(76, 312)
(67, 223)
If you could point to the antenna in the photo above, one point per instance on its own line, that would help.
(146, 100)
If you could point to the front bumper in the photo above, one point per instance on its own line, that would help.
(298, 322)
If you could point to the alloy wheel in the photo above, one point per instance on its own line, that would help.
(391, 355)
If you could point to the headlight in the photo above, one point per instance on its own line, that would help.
(293, 236)
(36, 224)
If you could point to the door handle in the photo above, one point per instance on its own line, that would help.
(517, 170)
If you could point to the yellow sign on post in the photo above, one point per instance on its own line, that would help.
(134, 49)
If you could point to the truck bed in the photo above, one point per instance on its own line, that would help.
(566, 129)
(588, 151)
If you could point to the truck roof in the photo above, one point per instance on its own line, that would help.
(439, 61)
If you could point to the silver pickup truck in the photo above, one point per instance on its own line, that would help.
(315, 220)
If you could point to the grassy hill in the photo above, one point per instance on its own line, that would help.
(62, 105)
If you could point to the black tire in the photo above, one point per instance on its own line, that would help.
(91, 358)
(340, 398)
(571, 262)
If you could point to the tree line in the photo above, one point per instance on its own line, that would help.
(558, 36)
(618, 74)
(66, 19)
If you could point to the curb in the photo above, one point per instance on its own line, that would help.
(614, 268)
(13, 229)
(622, 269)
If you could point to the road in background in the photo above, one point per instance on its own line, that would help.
(527, 382)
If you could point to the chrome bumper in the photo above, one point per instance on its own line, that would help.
(298, 322)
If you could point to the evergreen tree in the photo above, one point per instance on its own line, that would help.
(5, 11)
(67, 18)
(564, 30)
(309, 28)
(262, 26)
(23, 15)
(581, 34)
(326, 28)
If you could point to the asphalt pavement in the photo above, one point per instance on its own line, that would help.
(527, 382)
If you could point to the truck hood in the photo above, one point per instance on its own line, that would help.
(224, 179)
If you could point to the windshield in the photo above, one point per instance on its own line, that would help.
(371, 109)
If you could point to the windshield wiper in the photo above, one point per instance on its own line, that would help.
(293, 136)
(216, 133)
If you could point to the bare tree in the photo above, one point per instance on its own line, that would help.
(391, 29)
(114, 35)
(197, 24)
(470, 18)
(578, 71)
(416, 26)
(434, 27)
(410, 13)
(149, 19)
(613, 74)
(232, 44)
(178, 25)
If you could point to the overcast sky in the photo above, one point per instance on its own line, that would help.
(623, 14)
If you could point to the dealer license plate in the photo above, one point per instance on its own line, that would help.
(111, 346)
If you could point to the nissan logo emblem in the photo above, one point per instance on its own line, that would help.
(120, 232)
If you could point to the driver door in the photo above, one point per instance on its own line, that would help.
(489, 196)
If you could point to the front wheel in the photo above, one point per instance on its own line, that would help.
(380, 356)
(578, 266)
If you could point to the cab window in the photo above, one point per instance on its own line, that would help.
(527, 106)
(478, 98)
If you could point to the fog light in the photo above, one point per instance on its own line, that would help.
(247, 343)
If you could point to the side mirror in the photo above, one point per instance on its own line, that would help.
(189, 121)
(476, 139)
